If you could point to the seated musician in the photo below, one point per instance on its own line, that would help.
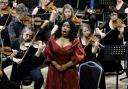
(5, 12)
(16, 25)
(45, 6)
(122, 10)
(112, 36)
(68, 13)
(28, 58)
(48, 10)
(91, 45)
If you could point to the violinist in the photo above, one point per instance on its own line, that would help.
(68, 13)
(16, 25)
(91, 45)
(28, 58)
(45, 6)
(113, 35)
(48, 9)
(5, 14)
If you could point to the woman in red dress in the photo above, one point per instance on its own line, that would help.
(63, 52)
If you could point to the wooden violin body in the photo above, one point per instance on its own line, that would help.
(8, 10)
(118, 23)
(76, 20)
(50, 7)
(29, 20)
(6, 50)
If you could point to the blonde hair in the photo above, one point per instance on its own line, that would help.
(80, 33)
(67, 6)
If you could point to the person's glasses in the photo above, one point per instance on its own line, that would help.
(113, 14)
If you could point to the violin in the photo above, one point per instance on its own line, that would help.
(7, 9)
(29, 20)
(6, 50)
(34, 44)
(50, 7)
(76, 20)
(118, 23)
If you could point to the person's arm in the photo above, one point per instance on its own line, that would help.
(40, 49)
(67, 65)
(1, 73)
(57, 66)
(95, 47)
(54, 29)
(34, 12)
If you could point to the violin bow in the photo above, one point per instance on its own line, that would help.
(30, 45)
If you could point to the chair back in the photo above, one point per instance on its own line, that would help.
(90, 75)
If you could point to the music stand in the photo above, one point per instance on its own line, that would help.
(119, 51)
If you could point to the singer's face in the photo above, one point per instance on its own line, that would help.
(65, 30)
(27, 36)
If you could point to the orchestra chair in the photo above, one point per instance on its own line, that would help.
(26, 81)
(90, 74)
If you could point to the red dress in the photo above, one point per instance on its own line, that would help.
(67, 79)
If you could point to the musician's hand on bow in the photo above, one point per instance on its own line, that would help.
(41, 47)
(17, 60)
(14, 53)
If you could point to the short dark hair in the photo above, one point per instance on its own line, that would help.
(112, 9)
(71, 35)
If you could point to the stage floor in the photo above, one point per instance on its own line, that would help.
(110, 79)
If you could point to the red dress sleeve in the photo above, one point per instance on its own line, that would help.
(79, 54)
(47, 52)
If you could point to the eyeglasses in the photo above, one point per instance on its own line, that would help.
(113, 14)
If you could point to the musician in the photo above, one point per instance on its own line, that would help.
(113, 36)
(68, 13)
(6, 15)
(91, 45)
(122, 10)
(16, 25)
(45, 6)
(121, 6)
(28, 58)
(48, 10)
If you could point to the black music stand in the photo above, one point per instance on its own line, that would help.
(119, 51)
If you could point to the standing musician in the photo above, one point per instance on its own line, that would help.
(113, 36)
(16, 25)
(28, 58)
(122, 10)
